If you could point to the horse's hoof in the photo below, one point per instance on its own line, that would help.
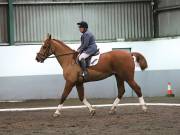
(93, 112)
(56, 115)
(112, 112)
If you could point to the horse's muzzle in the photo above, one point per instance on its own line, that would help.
(39, 59)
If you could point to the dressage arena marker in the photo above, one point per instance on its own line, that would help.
(82, 106)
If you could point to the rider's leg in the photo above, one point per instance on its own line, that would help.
(83, 55)
(82, 58)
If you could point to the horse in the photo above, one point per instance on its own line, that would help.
(119, 63)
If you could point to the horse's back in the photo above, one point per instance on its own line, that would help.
(120, 60)
(113, 62)
(117, 54)
(116, 59)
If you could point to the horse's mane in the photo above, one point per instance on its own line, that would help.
(62, 43)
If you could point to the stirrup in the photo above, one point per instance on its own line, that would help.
(84, 74)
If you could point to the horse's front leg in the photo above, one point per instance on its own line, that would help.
(67, 89)
(80, 90)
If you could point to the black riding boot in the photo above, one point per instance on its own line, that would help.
(83, 66)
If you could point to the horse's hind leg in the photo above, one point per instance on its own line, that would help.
(137, 90)
(80, 90)
(121, 91)
(67, 90)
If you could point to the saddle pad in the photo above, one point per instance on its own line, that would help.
(94, 60)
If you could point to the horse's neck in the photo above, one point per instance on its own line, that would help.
(61, 48)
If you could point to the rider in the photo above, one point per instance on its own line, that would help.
(87, 48)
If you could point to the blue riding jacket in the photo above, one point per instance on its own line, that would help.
(88, 44)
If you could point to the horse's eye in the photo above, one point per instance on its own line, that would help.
(44, 47)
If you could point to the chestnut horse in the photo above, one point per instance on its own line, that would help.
(117, 62)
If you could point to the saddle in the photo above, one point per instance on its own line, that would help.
(90, 61)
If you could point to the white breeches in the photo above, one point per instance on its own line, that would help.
(83, 56)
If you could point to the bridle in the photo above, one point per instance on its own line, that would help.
(43, 56)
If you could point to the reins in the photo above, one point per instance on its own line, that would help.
(61, 55)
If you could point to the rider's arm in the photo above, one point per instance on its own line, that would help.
(84, 42)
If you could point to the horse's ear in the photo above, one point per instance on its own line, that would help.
(49, 36)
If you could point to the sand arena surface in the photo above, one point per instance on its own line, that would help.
(129, 120)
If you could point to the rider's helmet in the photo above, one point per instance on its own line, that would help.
(82, 24)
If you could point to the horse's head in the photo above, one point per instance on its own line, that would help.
(46, 50)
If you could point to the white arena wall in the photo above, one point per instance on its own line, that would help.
(21, 77)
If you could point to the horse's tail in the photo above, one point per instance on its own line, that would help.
(140, 59)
